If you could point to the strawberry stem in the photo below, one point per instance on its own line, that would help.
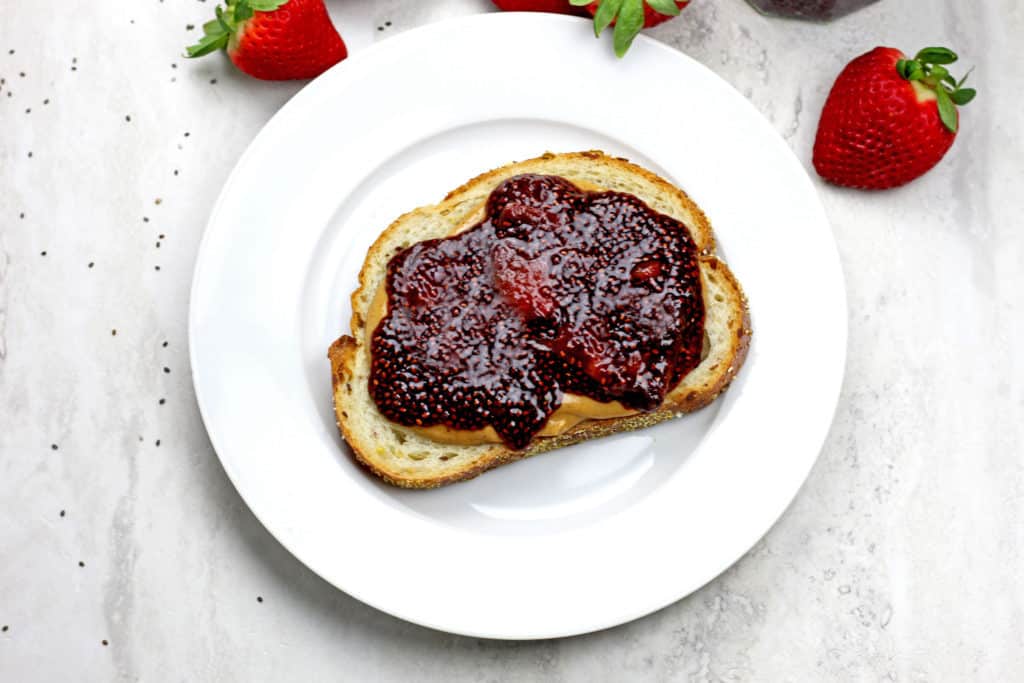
(927, 67)
(217, 32)
(628, 16)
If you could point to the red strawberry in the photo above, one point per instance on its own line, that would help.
(629, 16)
(556, 6)
(274, 40)
(889, 119)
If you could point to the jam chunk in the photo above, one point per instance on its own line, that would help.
(556, 291)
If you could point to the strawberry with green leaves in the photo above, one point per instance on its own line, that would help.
(629, 17)
(274, 39)
(889, 119)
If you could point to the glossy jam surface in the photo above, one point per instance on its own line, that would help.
(816, 10)
(556, 291)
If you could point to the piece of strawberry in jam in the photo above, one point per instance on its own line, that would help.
(524, 282)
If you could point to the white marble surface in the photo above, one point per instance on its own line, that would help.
(899, 561)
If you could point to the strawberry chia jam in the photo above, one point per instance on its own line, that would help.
(556, 291)
(818, 10)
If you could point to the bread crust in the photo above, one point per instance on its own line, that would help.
(399, 462)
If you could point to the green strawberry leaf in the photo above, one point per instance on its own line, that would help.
(580, 3)
(243, 11)
(265, 5)
(666, 7)
(628, 25)
(207, 45)
(947, 110)
(216, 32)
(963, 96)
(936, 55)
(927, 68)
(222, 19)
(964, 79)
(213, 28)
(606, 11)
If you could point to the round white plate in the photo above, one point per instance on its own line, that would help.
(573, 541)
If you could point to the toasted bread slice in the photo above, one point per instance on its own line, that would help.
(405, 458)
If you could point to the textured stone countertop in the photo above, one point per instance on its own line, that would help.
(126, 554)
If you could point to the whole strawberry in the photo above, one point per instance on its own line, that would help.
(629, 17)
(556, 6)
(274, 40)
(889, 119)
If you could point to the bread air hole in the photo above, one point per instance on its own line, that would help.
(449, 455)
(399, 436)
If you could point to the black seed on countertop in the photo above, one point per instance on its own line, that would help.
(158, 442)
(91, 264)
(21, 215)
(163, 401)
(6, 627)
(161, 236)
(164, 344)
(30, 153)
(189, 27)
(53, 446)
(387, 23)
(145, 219)
(213, 81)
(62, 513)
(156, 267)
(42, 253)
(46, 101)
(22, 74)
(105, 643)
(81, 564)
(187, 133)
(167, 370)
(127, 117)
(113, 333)
(157, 245)
(259, 598)
(158, 201)
(175, 171)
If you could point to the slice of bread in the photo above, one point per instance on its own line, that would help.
(405, 458)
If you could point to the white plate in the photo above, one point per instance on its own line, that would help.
(569, 542)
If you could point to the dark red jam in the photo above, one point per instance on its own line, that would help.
(557, 290)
